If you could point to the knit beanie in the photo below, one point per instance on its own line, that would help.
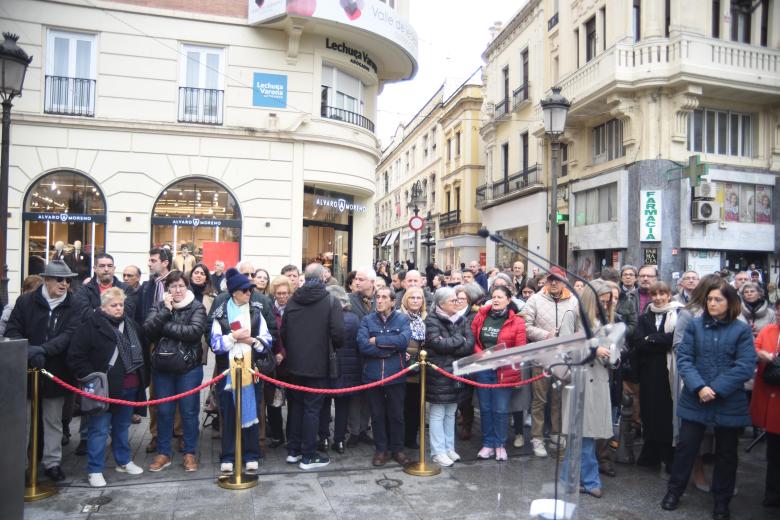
(236, 281)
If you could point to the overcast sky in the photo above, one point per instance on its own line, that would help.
(453, 34)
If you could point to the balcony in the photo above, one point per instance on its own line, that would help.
(506, 189)
(339, 114)
(69, 96)
(502, 108)
(664, 62)
(520, 96)
(201, 105)
(451, 218)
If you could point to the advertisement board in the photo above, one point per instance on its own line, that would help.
(370, 15)
(650, 216)
(269, 90)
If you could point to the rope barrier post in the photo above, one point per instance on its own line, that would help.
(421, 469)
(33, 491)
(238, 479)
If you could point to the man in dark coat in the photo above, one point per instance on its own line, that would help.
(47, 318)
(87, 299)
(312, 325)
(361, 303)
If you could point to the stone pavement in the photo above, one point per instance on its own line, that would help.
(351, 488)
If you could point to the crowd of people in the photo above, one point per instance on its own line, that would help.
(687, 369)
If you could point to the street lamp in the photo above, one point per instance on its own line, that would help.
(554, 110)
(13, 67)
(428, 241)
(415, 200)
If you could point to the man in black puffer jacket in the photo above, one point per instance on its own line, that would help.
(313, 323)
(87, 298)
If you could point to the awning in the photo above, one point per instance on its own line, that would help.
(384, 241)
(393, 237)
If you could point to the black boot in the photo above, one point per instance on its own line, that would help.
(721, 511)
(670, 501)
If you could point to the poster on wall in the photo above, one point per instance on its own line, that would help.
(269, 90)
(704, 262)
(747, 203)
(586, 264)
(731, 202)
(763, 204)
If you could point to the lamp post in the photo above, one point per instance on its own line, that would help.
(13, 67)
(428, 236)
(554, 108)
(414, 201)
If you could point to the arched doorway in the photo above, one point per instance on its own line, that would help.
(201, 214)
(64, 217)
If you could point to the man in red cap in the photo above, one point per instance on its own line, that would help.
(551, 312)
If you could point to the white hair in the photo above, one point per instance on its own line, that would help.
(367, 270)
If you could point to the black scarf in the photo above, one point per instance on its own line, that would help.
(499, 314)
(127, 342)
(197, 290)
(753, 307)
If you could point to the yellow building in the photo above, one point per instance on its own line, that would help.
(435, 162)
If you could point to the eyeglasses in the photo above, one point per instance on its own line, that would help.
(247, 290)
(177, 288)
(249, 275)
(61, 279)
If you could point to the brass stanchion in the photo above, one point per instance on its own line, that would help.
(421, 469)
(33, 491)
(238, 479)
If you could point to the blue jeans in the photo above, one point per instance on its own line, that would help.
(441, 426)
(166, 385)
(493, 410)
(303, 416)
(589, 465)
(118, 422)
(250, 437)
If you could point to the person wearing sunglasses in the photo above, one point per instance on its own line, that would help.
(47, 318)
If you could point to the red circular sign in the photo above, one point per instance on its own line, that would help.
(416, 223)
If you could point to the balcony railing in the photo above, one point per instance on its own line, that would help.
(69, 96)
(339, 114)
(201, 105)
(502, 108)
(505, 187)
(552, 22)
(451, 218)
(520, 95)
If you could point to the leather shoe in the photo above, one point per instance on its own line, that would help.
(55, 474)
(324, 445)
(670, 501)
(339, 447)
(380, 459)
(608, 470)
(721, 512)
(401, 458)
(595, 492)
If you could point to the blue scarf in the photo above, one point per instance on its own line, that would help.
(248, 405)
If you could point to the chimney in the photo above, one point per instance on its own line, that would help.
(495, 29)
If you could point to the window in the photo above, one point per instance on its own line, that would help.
(201, 94)
(720, 132)
(413, 156)
(608, 141)
(597, 205)
(577, 46)
(715, 18)
(749, 203)
(667, 17)
(70, 74)
(524, 67)
(425, 147)
(406, 162)
(524, 151)
(741, 11)
(556, 69)
(505, 162)
(564, 159)
(603, 12)
(433, 141)
(343, 98)
(636, 20)
(457, 144)
(457, 198)
(590, 39)
(386, 182)
(764, 22)
(433, 191)
(449, 148)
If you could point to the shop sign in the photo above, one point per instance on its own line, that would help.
(359, 58)
(704, 262)
(269, 90)
(340, 205)
(650, 216)
(64, 217)
(195, 222)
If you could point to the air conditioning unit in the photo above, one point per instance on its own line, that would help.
(705, 211)
(705, 190)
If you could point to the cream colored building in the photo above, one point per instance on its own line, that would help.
(653, 83)
(240, 129)
(438, 155)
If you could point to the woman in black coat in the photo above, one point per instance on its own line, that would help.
(350, 368)
(447, 337)
(656, 369)
(93, 346)
(176, 326)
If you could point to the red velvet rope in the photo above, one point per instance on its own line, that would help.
(336, 391)
(122, 402)
(488, 385)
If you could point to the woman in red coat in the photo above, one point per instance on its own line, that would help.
(494, 324)
(765, 408)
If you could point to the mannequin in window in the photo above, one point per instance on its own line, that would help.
(59, 251)
(185, 262)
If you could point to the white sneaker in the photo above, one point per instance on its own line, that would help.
(528, 420)
(226, 467)
(559, 440)
(454, 457)
(519, 441)
(130, 468)
(96, 480)
(442, 460)
(538, 445)
(252, 465)
(293, 459)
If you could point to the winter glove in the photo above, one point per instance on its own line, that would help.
(36, 356)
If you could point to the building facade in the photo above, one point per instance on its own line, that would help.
(653, 83)
(433, 164)
(240, 129)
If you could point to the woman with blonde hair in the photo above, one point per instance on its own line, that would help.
(413, 305)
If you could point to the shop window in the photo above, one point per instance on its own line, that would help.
(64, 218)
(327, 230)
(597, 205)
(750, 203)
(201, 214)
(202, 94)
(70, 74)
(720, 132)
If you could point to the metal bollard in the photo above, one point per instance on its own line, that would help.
(625, 450)
(33, 491)
(421, 469)
(238, 479)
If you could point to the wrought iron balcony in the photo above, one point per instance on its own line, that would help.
(201, 105)
(69, 96)
(451, 218)
(520, 95)
(504, 188)
(552, 22)
(502, 108)
(339, 114)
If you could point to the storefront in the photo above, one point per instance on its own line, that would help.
(328, 229)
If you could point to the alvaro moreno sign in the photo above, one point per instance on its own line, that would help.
(341, 205)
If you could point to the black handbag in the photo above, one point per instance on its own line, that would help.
(772, 370)
(172, 356)
(96, 383)
(265, 362)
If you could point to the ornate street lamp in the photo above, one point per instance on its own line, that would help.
(415, 199)
(554, 109)
(13, 67)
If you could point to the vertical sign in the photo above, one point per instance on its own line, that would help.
(269, 90)
(650, 216)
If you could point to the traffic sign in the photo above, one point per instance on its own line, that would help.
(416, 223)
